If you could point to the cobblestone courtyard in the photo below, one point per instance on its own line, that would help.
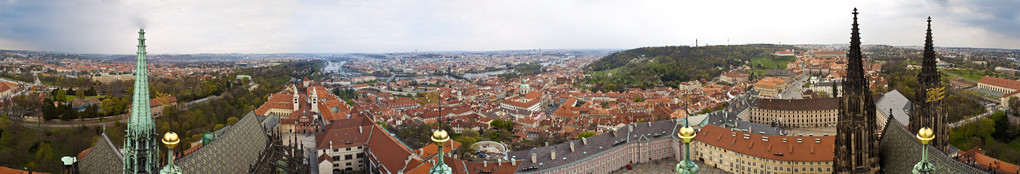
(666, 166)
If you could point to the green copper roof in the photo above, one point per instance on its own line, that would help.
(141, 116)
(141, 143)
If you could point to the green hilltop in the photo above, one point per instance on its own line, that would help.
(668, 66)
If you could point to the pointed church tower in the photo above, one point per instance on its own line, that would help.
(141, 143)
(856, 142)
(925, 112)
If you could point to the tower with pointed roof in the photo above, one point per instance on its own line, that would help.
(141, 143)
(925, 112)
(856, 148)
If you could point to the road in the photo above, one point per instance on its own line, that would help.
(794, 89)
(991, 111)
(111, 120)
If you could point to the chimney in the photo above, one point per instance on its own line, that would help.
(360, 130)
(534, 158)
(649, 123)
(615, 133)
(552, 154)
(485, 164)
(513, 161)
(499, 161)
(630, 128)
(584, 141)
(571, 146)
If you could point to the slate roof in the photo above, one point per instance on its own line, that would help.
(596, 144)
(899, 104)
(232, 152)
(899, 150)
(103, 157)
(799, 104)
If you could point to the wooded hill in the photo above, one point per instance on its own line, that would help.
(668, 66)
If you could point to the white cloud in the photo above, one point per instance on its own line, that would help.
(196, 26)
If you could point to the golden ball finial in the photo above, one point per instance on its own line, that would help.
(686, 134)
(440, 136)
(171, 140)
(925, 135)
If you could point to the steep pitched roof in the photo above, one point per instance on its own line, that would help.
(899, 150)
(103, 157)
(233, 152)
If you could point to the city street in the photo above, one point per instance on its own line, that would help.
(794, 89)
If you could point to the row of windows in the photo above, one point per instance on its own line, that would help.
(348, 149)
(743, 166)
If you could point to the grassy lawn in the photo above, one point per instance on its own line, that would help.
(968, 74)
(614, 71)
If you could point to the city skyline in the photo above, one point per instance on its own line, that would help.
(183, 27)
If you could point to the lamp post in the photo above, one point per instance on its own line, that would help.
(925, 135)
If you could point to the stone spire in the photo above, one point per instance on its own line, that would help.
(141, 144)
(927, 108)
(856, 148)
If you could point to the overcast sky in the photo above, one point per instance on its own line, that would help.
(373, 26)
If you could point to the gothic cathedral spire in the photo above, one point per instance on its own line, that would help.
(927, 110)
(856, 142)
(141, 144)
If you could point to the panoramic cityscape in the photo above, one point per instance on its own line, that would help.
(473, 87)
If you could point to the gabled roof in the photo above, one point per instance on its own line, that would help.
(899, 150)
(232, 152)
(103, 157)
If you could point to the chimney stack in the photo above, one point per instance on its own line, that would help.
(534, 158)
(571, 146)
(513, 161)
(584, 141)
(552, 154)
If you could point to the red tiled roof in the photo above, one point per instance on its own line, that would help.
(1006, 83)
(343, 137)
(280, 100)
(5, 170)
(325, 157)
(389, 152)
(774, 148)
(83, 153)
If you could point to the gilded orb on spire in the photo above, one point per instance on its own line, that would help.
(686, 134)
(171, 140)
(925, 135)
(440, 136)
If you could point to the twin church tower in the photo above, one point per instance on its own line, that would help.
(857, 147)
